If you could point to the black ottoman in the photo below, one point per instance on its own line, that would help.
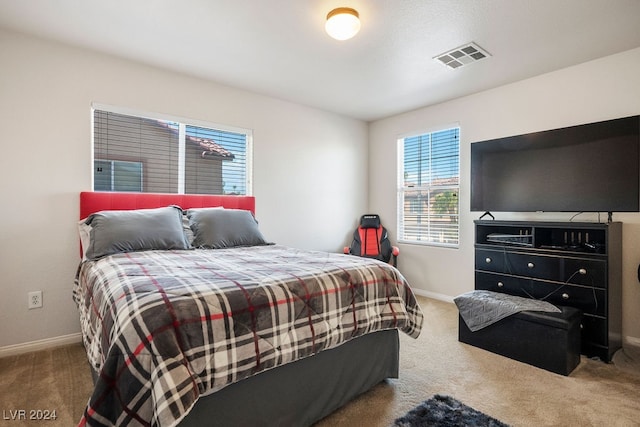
(549, 341)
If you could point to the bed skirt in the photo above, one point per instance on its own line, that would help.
(302, 392)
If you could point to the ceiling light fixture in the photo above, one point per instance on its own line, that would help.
(342, 23)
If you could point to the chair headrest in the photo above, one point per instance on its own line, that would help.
(370, 221)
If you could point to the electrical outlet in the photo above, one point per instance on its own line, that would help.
(35, 299)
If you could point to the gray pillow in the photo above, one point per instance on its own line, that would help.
(224, 228)
(187, 228)
(135, 230)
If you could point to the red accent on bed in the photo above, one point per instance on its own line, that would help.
(91, 201)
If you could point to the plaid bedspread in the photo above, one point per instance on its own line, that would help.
(165, 327)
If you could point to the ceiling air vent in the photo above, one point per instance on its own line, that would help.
(462, 55)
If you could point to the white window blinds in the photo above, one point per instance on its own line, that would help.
(428, 187)
(133, 153)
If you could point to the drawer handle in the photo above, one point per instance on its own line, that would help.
(565, 296)
(487, 260)
(500, 284)
(530, 265)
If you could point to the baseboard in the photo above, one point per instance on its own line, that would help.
(632, 341)
(433, 295)
(27, 347)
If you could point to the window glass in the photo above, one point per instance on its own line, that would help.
(116, 175)
(428, 188)
(215, 161)
(142, 154)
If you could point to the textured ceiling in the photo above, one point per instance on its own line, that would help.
(279, 48)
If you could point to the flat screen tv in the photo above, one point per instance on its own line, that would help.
(587, 168)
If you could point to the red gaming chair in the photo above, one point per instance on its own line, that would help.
(371, 240)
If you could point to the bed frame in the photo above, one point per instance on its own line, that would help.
(297, 394)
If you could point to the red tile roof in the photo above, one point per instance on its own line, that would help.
(210, 147)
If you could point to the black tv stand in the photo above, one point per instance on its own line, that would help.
(489, 214)
(575, 264)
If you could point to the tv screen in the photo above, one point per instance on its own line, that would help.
(586, 168)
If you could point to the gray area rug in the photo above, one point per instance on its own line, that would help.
(445, 411)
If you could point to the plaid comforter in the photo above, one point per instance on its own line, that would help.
(165, 327)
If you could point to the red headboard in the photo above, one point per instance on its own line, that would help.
(91, 202)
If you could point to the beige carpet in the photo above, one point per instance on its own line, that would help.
(595, 394)
(51, 380)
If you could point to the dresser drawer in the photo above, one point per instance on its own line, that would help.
(519, 264)
(587, 272)
(580, 271)
(589, 300)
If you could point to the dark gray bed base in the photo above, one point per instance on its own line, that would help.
(305, 391)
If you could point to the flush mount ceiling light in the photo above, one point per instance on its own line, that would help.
(462, 55)
(342, 23)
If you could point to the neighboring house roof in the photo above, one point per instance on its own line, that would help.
(209, 146)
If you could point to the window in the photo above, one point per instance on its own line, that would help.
(154, 155)
(116, 175)
(428, 188)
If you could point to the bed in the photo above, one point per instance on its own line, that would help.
(191, 317)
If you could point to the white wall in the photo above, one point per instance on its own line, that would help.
(598, 90)
(310, 166)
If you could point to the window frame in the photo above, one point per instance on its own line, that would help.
(184, 123)
(402, 188)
